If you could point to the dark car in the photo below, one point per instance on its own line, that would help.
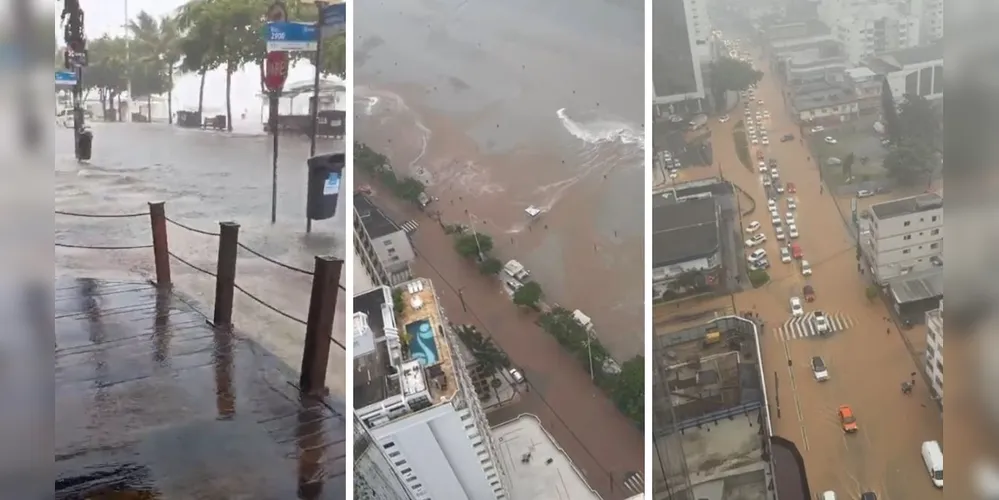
(787, 137)
(869, 495)
(773, 162)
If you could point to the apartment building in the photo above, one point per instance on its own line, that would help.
(414, 400)
(686, 242)
(931, 15)
(875, 29)
(934, 351)
(382, 248)
(915, 71)
(680, 37)
(905, 236)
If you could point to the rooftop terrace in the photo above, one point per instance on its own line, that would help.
(421, 306)
(525, 448)
(909, 205)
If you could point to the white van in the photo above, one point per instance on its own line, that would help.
(829, 495)
(933, 458)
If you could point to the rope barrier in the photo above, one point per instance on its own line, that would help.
(191, 229)
(268, 306)
(101, 216)
(102, 247)
(192, 266)
(273, 261)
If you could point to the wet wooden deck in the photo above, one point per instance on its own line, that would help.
(150, 398)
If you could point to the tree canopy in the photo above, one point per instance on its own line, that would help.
(470, 244)
(483, 349)
(910, 164)
(528, 295)
(728, 74)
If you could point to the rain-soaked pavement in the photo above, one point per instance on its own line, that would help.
(204, 178)
(867, 361)
(150, 399)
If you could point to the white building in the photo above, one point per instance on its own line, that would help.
(874, 29)
(916, 71)
(931, 15)
(934, 351)
(906, 235)
(685, 241)
(414, 400)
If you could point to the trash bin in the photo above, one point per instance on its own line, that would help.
(325, 179)
(84, 144)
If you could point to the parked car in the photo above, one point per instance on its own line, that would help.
(765, 141)
(779, 233)
(517, 376)
(796, 307)
(796, 251)
(819, 369)
(787, 137)
(757, 254)
(773, 162)
(763, 167)
(757, 265)
(864, 193)
(791, 204)
(779, 188)
(821, 322)
(758, 239)
(774, 173)
(789, 218)
(806, 268)
(830, 140)
(792, 231)
(772, 204)
(775, 219)
(791, 188)
(753, 227)
(785, 255)
(817, 129)
(723, 119)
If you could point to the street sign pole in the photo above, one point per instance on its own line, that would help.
(275, 73)
(314, 111)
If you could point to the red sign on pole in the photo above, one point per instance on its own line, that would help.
(276, 63)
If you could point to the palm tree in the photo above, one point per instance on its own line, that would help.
(198, 43)
(156, 50)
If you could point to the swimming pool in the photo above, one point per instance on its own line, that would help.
(421, 344)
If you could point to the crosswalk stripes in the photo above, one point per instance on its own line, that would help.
(635, 483)
(804, 326)
(409, 226)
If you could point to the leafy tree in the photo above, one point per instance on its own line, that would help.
(471, 244)
(106, 72)
(909, 164)
(629, 390)
(491, 265)
(758, 277)
(848, 165)
(490, 358)
(397, 303)
(918, 122)
(156, 50)
(528, 295)
(889, 111)
(561, 324)
(742, 149)
(728, 74)
(872, 292)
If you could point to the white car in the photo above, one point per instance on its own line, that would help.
(774, 172)
(766, 181)
(791, 205)
(723, 119)
(792, 231)
(821, 322)
(757, 254)
(821, 374)
(864, 193)
(766, 114)
(789, 217)
(796, 307)
(775, 219)
(673, 174)
(806, 268)
(785, 255)
(758, 239)
(756, 265)
(829, 140)
(814, 130)
(779, 233)
(772, 204)
(765, 141)
(779, 188)
(753, 227)
(755, 142)
(517, 376)
(763, 167)
(760, 102)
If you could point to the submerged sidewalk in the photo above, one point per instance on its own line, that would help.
(150, 398)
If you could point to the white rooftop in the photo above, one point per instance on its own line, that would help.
(534, 480)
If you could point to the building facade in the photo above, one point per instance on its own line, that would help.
(934, 351)
(931, 15)
(681, 36)
(415, 401)
(905, 236)
(381, 247)
(686, 245)
(916, 71)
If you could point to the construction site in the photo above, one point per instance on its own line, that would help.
(711, 428)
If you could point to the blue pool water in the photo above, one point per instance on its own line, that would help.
(421, 344)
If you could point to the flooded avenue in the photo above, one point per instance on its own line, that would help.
(500, 106)
(204, 178)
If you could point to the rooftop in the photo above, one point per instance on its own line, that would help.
(149, 398)
(914, 287)
(906, 206)
(374, 220)
(401, 353)
(684, 230)
(362, 280)
(898, 59)
(533, 478)
(822, 95)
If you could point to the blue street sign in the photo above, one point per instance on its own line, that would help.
(65, 78)
(333, 17)
(292, 37)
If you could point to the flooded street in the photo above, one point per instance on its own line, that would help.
(497, 107)
(204, 178)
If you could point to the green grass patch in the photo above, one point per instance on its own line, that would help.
(742, 149)
(758, 278)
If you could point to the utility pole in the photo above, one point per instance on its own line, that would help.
(75, 59)
(128, 69)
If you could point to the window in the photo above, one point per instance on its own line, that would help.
(929, 352)
(405, 471)
(401, 462)
(906, 223)
(394, 454)
(907, 237)
(934, 232)
(387, 243)
(934, 245)
(940, 366)
(939, 381)
(412, 479)
(388, 445)
(922, 219)
(934, 218)
(905, 251)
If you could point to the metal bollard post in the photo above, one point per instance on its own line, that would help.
(225, 275)
(319, 328)
(161, 250)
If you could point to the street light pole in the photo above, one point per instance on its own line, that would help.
(128, 70)
(475, 234)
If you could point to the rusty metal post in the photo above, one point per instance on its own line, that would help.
(161, 250)
(225, 273)
(319, 328)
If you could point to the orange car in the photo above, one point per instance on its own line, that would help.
(847, 419)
